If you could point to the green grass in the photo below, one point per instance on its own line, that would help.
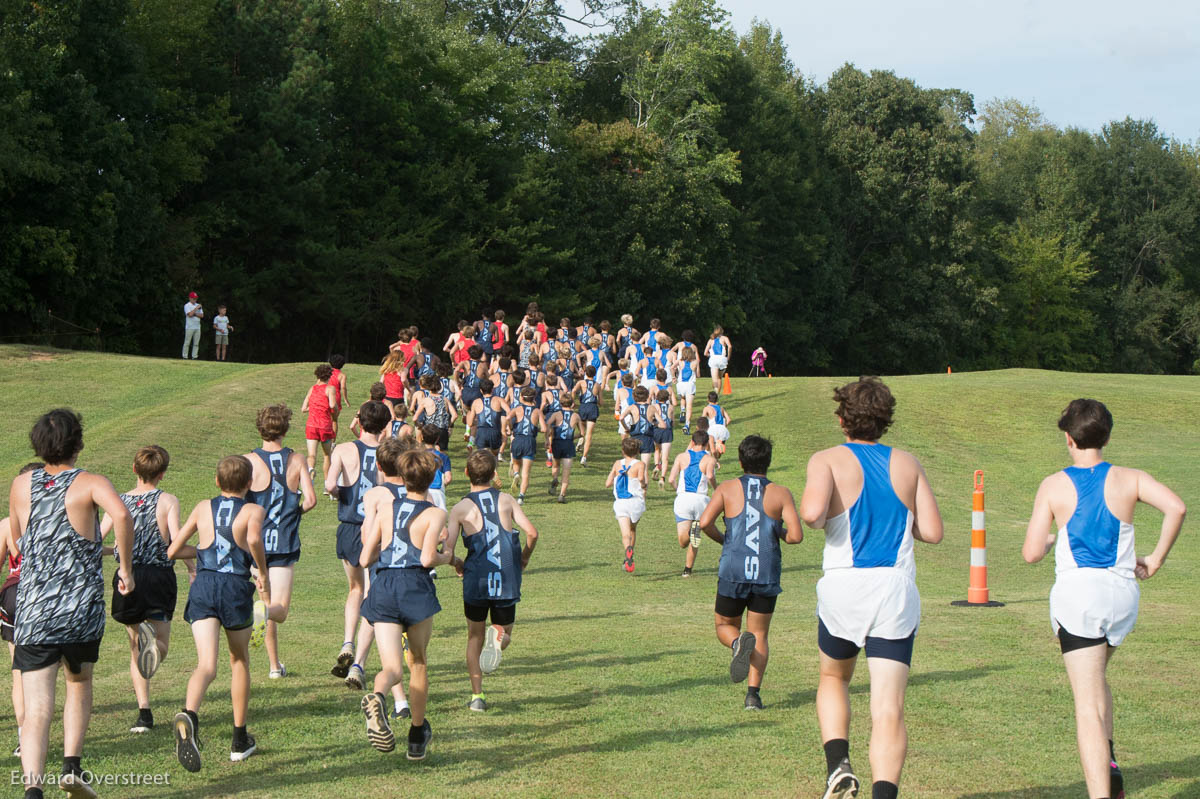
(615, 684)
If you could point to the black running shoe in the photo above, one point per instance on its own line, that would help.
(1116, 781)
(379, 732)
(239, 751)
(739, 665)
(145, 721)
(187, 745)
(419, 746)
(842, 784)
(687, 572)
(403, 713)
(753, 701)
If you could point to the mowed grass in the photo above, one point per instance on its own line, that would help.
(615, 684)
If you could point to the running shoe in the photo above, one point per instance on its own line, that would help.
(401, 713)
(417, 749)
(753, 701)
(583, 461)
(344, 659)
(739, 665)
(187, 744)
(842, 784)
(629, 559)
(687, 572)
(562, 499)
(516, 483)
(76, 785)
(520, 499)
(477, 703)
(258, 632)
(379, 732)
(407, 654)
(553, 486)
(239, 752)
(489, 658)
(355, 678)
(278, 673)
(694, 535)
(17, 750)
(687, 429)
(144, 723)
(1116, 781)
(549, 462)
(148, 656)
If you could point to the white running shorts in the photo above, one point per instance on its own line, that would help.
(718, 362)
(880, 602)
(689, 506)
(1094, 603)
(632, 509)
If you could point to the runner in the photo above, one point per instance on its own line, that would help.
(338, 381)
(588, 390)
(485, 337)
(872, 501)
(718, 351)
(692, 473)
(564, 425)
(391, 373)
(401, 549)
(8, 609)
(639, 420)
(284, 490)
(1094, 601)
(486, 419)
(435, 409)
(685, 385)
(430, 438)
(628, 481)
(229, 543)
(663, 434)
(60, 596)
(147, 611)
(318, 430)
(718, 423)
(525, 420)
(353, 474)
(492, 569)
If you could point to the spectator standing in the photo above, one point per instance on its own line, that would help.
(193, 312)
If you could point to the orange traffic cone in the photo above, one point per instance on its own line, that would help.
(977, 592)
(727, 386)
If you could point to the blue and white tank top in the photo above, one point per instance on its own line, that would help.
(718, 413)
(642, 426)
(664, 411)
(588, 395)
(443, 467)
(484, 337)
(471, 378)
(717, 347)
(564, 430)
(686, 373)
(500, 386)
(281, 527)
(524, 425)
(487, 418)
(350, 498)
(492, 567)
(223, 555)
(626, 487)
(426, 367)
(1093, 537)
(552, 405)
(693, 480)
(400, 552)
(751, 550)
(875, 531)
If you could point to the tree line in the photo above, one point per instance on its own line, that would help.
(334, 169)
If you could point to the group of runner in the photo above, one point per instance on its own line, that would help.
(396, 527)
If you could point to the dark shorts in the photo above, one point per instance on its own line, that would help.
(1069, 642)
(523, 448)
(645, 444)
(488, 438)
(8, 609)
(349, 542)
(503, 613)
(663, 435)
(469, 395)
(395, 400)
(278, 559)
(562, 449)
(733, 599)
(229, 598)
(32, 657)
(589, 412)
(898, 649)
(400, 596)
(153, 599)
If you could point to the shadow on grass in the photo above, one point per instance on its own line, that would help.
(862, 685)
(574, 617)
(1137, 778)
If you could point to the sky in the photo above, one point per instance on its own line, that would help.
(1082, 63)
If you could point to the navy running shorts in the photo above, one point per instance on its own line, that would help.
(401, 596)
(349, 542)
(229, 598)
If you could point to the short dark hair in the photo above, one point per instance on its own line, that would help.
(700, 438)
(31, 466)
(481, 467)
(528, 393)
(151, 462)
(486, 386)
(430, 434)
(865, 408)
(641, 394)
(387, 455)
(273, 422)
(234, 473)
(323, 371)
(1088, 423)
(664, 394)
(418, 468)
(712, 397)
(337, 361)
(57, 436)
(630, 447)
(374, 416)
(377, 391)
(754, 453)
(474, 352)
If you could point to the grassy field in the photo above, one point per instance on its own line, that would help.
(615, 684)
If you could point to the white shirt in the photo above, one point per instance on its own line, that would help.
(221, 323)
(192, 322)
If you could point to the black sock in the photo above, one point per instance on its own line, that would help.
(239, 735)
(71, 766)
(885, 790)
(1112, 752)
(145, 715)
(34, 793)
(752, 690)
(835, 751)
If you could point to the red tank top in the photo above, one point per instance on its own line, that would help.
(336, 382)
(541, 332)
(318, 407)
(499, 336)
(407, 349)
(14, 566)
(393, 385)
(461, 355)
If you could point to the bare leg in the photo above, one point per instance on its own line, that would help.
(728, 628)
(312, 453)
(162, 636)
(281, 603)
(355, 576)
(326, 450)
(889, 736)
(526, 467)
(1093, 713)
(588, 427)
(628, 533)
(475, 635)
(18, 696)
(664, 459)
(566, 475)
(687, 401)
(206, 633)
(77, 709)
(35, 734)
(683, 531)
(833, 697)
(418, 678)
(239, 666)
(760, 625)
(716, 378)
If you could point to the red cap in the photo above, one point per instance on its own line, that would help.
(193, 296)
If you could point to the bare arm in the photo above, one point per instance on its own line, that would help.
(818, 491)
(307, 492)
(708, 519)
(106, 497)
(531, 533)
(372, 536)
(1158, 496)
(1038, 536)
(434, 523)
(793, 530)
(927, 521)
(335, 472)
(179, 539)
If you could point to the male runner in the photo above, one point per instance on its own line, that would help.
(692, 473)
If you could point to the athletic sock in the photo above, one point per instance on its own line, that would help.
(1112, 752)
(477, 696)
(885, 790)
(416, 734)
(145, 716)
(71, 765)
(195, 719)
(239, 736)
(34, 793)
(752, 689)
(836, 751)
